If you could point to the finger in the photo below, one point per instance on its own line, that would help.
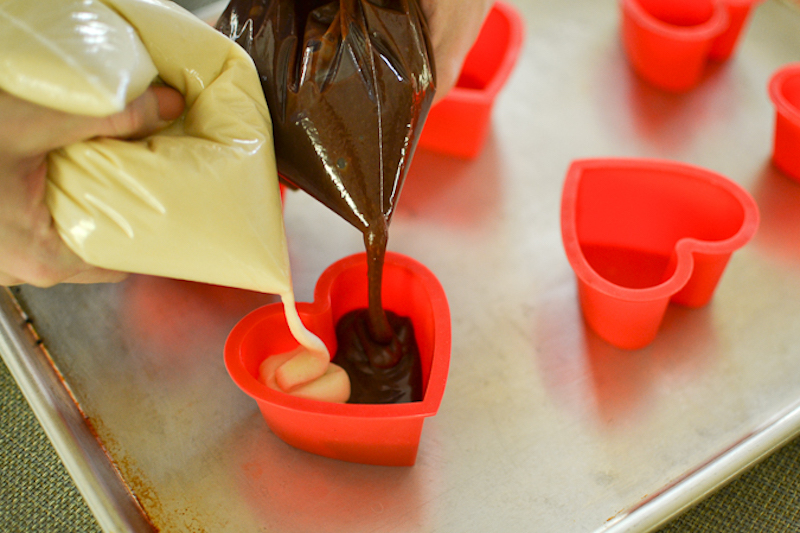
(49, 262)
(170, 102)
(7, 280)
(97, 275)
(40, 258)
(37, 130)
(31, 269)
(145, 115)
(92, 275)
(454, 26)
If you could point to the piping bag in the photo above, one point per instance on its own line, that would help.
(349, 84)
(197, 201)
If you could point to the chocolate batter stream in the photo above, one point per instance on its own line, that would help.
(379, 327)
(377, 348)
(348, 84)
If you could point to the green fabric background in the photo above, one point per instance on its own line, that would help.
(38, 496)
(36, 493)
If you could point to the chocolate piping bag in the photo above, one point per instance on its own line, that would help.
(348, 84)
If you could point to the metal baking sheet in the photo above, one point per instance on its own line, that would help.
(543, 426)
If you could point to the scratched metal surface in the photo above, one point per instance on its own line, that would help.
(542, 424)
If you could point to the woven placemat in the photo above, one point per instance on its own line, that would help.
(765, 498)
(38, 496)
(36, 493)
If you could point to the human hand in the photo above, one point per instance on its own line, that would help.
(31, 250)
(454, 25)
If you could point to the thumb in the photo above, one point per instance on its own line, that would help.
(148, 113)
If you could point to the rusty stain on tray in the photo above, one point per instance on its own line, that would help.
(141, 491)
(136, 481)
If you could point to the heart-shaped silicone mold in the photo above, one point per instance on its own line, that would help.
(386, 434)
(784, 91)
(459, 123)
(640, 233)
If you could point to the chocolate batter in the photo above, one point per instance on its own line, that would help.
(372, 379)
(348, 85)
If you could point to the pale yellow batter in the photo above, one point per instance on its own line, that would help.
(198, 201)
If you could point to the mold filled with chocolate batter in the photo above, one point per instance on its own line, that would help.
(348, 85)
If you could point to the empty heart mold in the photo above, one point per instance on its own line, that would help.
(640, 233)
(459, 123)
(385, 434)
(668, 42)
(784, 91)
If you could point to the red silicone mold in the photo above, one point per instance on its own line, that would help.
(784, 91)
(668, 42)
(459, 123)
(640, 233)
(371, 434)
(738, 14)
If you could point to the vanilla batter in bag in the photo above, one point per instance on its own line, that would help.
(198, 201)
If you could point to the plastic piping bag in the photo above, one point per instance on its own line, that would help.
(198, 201)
